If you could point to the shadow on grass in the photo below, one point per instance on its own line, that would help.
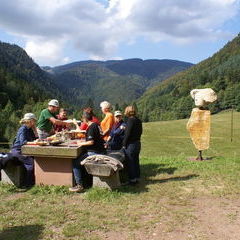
(194, 159)
(152, 170)
(179, 178)
(28, 232)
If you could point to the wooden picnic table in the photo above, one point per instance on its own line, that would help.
(53, 164)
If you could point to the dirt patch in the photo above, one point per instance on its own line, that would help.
(218, 218)
(206, 218)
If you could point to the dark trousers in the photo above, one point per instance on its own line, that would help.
(28, 163)
(132, 156)
(78, 168)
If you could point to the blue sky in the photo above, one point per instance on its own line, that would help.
(56, 32)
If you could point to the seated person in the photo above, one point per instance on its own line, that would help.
(26, 133)
(93, 145)
(84, 125)
(115, 139)
(108, 121)
(48, 119)
(61, 116)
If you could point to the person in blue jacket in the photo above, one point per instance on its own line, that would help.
(115, 139)
(26, 133)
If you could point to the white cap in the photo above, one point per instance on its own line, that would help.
(105, 104)
(117, 113)
(54, 103)
(29, 116)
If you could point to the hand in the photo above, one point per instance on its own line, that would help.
(122, 127)
(74, 121)
(67, 124)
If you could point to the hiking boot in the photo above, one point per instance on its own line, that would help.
(77, 188)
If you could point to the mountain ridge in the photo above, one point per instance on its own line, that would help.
(171, 99)
(131, 76)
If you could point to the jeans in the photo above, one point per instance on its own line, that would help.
(132, 156)
(77, 168)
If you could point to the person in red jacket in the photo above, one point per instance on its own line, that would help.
(61, 116)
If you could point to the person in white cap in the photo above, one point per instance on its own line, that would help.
(26, 133)
(48, 119)
(108, 121)
(115, 139)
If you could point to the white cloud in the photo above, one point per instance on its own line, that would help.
(97, 30)
(41, 50)
(66, 60)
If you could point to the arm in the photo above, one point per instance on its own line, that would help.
(58, 122)
(87, 143)
(127, 131)
(120, 130)
(78, 128)
(109, 123)
(23, 136)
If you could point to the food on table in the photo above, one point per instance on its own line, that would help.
(72, 121)
(41, 142)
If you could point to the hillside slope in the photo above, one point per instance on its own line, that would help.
(171, 100)
(24, 87)
(118, 81)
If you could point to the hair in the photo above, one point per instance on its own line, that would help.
(105, 105)
(62, 110)
(89, 110)
(130, 111)
(25, 121)
(87, 116)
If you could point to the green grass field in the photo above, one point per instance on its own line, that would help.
(176, 199)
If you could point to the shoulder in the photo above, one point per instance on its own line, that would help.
(44, 111)
(131, 120)
(110, 115)
(22, 129)
(95, 119)
(93, 126)
(139, 120)
(48, 114)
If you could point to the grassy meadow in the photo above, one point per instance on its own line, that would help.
(176, 199)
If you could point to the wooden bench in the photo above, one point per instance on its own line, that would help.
(104, 169)
(13, 174)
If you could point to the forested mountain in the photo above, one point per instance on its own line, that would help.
(171, 99)
(24, 87)
(118, 81)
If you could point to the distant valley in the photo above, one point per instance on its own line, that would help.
(119, 81)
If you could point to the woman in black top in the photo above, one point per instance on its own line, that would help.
(94, 144)
(132, 144)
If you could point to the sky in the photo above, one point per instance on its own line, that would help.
(56, 32)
